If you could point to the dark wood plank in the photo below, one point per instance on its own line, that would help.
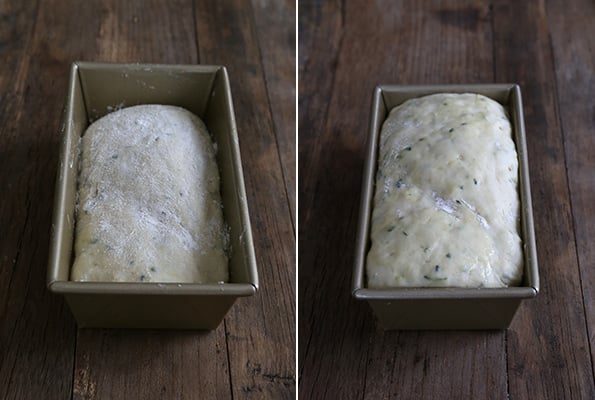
(548, 347)
(430, 365)
(331, 159)
(320, 32)
(420, 361)
(121, 364)
(261, 330)
(346, 356)
(573, 46)
(127, 364)
(36, 330)
(275, 27)
(38, 335)
(151, 31)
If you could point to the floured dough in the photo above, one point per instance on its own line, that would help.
(446, 207)
(149, 208)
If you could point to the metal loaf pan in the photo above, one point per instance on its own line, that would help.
(94, 90)
(445, 308)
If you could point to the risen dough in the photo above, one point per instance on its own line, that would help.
(446, 207)
(149, 207)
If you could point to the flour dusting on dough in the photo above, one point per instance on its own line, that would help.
(149, 207)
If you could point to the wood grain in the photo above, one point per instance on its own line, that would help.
(320, 33)
(275, 27)
(420, 360)
(545, 354)
(261, 330)
(42, 355)
(121, 364)
(36, 330)
(151, 31)
(336, 156)
(334, 359)
(555, 321)
(418, 365)
(574, 54)
(127, 364)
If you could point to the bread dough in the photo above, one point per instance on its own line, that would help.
(446, 206)
(149, 207)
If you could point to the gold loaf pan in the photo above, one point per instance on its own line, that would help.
(94, 90)
(445, 308)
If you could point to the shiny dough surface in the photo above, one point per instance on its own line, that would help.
(149, 207)
(446, 204)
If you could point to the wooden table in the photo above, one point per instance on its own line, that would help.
(42, 353)
(345, 49)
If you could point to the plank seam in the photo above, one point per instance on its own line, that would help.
(195, 31)
(570, 197)
(365, 380)
(76, 336)
(15, 260)
(266, 85)
(12, 369)
(506, 361)
(228, 358)
(14, 263)
(491, 8)
(324, 123)
(494, 72)
(305, 354)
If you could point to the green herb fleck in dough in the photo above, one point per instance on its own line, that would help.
(408, 148)
(395, 140)
(148, 205)
(399, 183)
(435, 278)
(153, 269)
